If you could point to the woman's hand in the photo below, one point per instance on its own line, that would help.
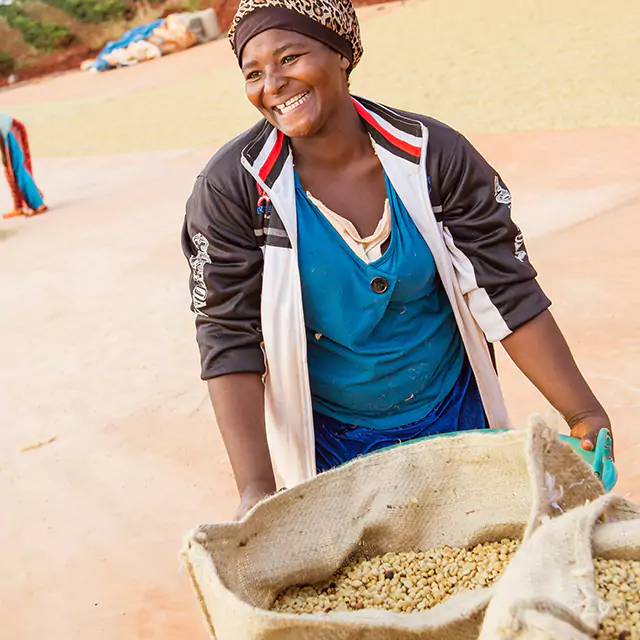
(587, 428)
(250, 498)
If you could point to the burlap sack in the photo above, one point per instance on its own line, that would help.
(548, 591)
(460, 491)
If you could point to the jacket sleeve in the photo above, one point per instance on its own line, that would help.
(486, 246)
(220, 244)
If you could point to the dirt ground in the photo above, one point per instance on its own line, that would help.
(97, 343)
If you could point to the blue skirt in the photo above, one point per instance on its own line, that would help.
(461, 410)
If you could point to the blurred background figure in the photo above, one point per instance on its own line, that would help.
(27, 198)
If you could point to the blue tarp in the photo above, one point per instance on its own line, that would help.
(133, 35)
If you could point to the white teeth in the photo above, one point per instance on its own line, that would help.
(292, 100)
(292, 103)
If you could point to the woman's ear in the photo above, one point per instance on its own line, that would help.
(344, 63)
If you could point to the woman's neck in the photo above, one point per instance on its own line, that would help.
(342, 141)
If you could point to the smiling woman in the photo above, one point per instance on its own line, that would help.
(351, 266)
(311, 71)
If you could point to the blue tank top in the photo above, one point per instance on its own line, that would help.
(383, 347)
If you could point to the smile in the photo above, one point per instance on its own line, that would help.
(291, 104)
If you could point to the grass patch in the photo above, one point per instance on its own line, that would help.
(44, 36)
(7, 64)
(95, 11)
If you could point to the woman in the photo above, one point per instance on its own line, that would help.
(350, 265)
(14, 145)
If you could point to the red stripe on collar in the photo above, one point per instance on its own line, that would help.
(273, 156)
(396, 142)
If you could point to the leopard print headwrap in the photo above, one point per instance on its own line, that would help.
(338, 16)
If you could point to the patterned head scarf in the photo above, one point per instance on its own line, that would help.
(332, 22)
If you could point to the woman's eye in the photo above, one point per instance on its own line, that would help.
(254, 75)
(290, 58)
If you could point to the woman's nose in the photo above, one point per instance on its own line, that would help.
(274, 81)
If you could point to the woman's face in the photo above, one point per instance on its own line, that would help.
(294, 81)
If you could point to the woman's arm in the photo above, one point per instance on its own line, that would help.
(238, 403)
(226, 263)
(540, 351)
(500, 285)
